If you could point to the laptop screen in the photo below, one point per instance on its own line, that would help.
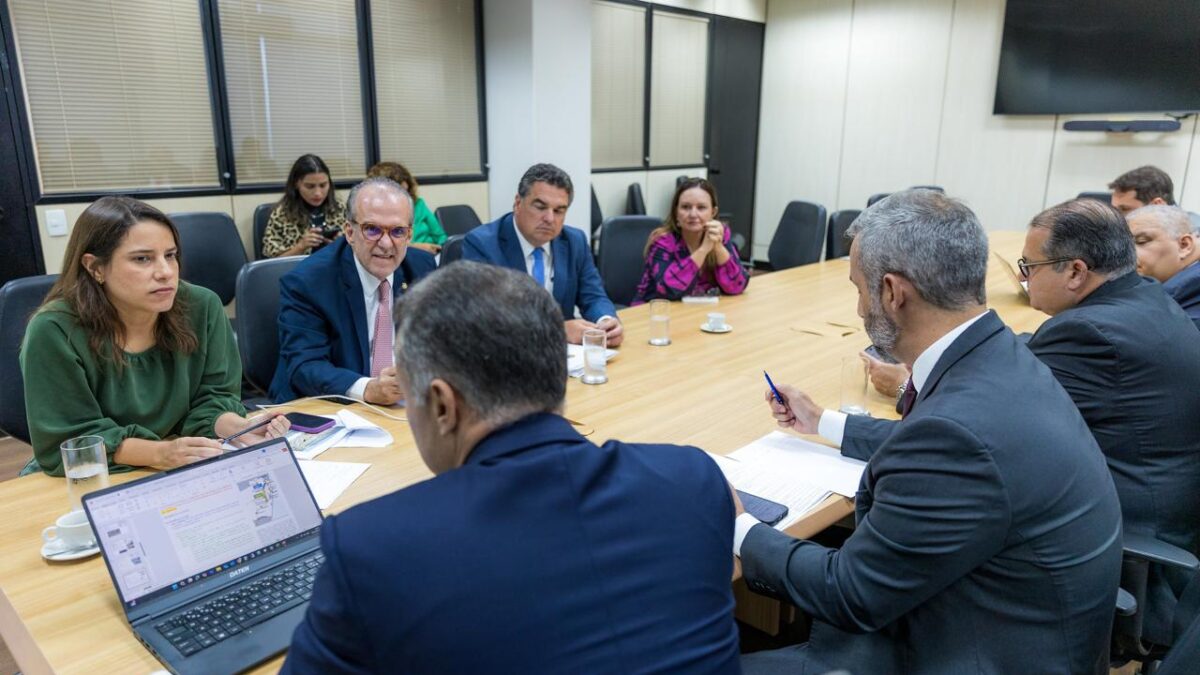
(167, 531)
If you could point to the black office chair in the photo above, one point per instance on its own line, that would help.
(19, 298)
(258, 318)
(878, 196)
(597, 216)
(635, 205)
(262, 214)
(451, 249)
(800, 236)
(679, 180)
(212, 251)
(1105, 197)
(621, 255)
(457, 218)
(836, 243)
(1140, 551)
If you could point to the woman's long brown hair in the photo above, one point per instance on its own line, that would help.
(669, 225)
(99, 231)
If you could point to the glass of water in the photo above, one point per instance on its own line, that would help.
(854, 386)
(86, 466)
(660, 323)
(595, 343)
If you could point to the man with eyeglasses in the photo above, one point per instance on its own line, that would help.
(335, 309)
(1130, 358)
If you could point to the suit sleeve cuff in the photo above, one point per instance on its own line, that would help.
(358, 390)
(832, 426)
(741, 528)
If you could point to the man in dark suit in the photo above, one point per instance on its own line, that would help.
(532, 550)
(533, 239)
(1130, 359)
(1167, 251)
(335, 308)
(988, 534)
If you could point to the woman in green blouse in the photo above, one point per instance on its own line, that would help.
(123, 349)
(427, 232)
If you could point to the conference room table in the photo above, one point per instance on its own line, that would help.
(703, 389)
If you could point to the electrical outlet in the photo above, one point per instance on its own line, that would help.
(56, 222)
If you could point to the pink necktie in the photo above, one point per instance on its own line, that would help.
(381, 355)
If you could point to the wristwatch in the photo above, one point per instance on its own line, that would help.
(900, 390)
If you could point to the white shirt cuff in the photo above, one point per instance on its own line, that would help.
(741, 528)
(358, 390)
(832, 426)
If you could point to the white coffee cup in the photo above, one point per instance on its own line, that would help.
(716, 321)
(71, 530)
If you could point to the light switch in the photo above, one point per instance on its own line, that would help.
(56, 222)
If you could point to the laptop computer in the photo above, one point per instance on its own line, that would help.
(1022, 286)
(213, 562)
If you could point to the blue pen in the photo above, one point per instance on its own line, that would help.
(775, 391)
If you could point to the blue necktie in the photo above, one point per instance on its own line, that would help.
(539, 267)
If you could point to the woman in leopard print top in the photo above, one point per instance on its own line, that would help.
(309, 216)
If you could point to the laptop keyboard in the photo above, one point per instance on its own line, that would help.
(237, 609)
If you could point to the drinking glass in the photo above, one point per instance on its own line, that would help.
(854, 386)
(85, 464)
(595, 342)
(660, 323)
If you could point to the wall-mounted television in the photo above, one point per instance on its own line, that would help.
(1099, 56)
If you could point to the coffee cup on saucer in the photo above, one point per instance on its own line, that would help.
(71, 532)
(716, 323)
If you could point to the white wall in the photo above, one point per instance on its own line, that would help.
(748, 10)
(866, 96)
(537, 56)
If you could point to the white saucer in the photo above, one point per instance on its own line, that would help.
(50, 552)
(705, 327)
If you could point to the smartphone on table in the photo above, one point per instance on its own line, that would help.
(309, 424)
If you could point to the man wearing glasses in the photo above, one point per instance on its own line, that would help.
(335, 308)
(1130, 358)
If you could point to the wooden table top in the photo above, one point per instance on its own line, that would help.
(703, 389)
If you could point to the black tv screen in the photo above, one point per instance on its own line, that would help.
(1099, 56)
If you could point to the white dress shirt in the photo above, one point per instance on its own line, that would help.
(527, 251)
(832, 425)
(370, 284)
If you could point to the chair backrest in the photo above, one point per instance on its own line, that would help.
(262, 214)
(621, 255)
(452, 249)
(877, 197)
(457, 218)
(799, 238)
(212, 251)
(258, 317)
(635, 205)
(1105, 197)
(597, 216)
(19, 298)
(836, 243)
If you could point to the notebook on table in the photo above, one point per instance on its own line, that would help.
(213, 562)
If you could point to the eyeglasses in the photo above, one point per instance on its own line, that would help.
(374, 232)
(1024, 265)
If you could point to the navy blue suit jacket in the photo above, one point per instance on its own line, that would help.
(542, 554)
(324, 343)
(1130, 359)
(576, 280)
(1184, 287)
(988, 537)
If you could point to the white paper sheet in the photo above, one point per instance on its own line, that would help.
(328, 480)
(351, 431)
(766, 481)
(812, 463)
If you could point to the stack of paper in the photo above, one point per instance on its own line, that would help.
(575, 359)
(791, 471)
(350, 431)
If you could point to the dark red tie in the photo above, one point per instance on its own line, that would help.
(907, 399)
